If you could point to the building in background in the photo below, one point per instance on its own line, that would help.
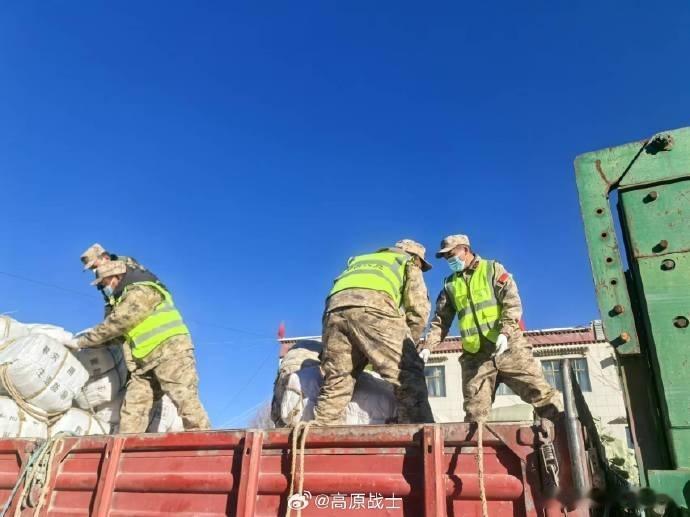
(591, 357)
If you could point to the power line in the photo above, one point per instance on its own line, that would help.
(84, 295)
(244, 414)
(247, 383)
(46, 284)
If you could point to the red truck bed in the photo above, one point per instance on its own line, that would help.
(396, 470)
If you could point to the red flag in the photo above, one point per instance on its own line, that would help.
(281, 330)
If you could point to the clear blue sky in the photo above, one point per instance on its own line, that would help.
(244, 150)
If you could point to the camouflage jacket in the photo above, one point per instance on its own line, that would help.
(506, 292)
(135, 306)
(415, 301)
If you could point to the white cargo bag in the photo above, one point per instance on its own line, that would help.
(105, 388)
(79, 422)
(373, 400)
(164, 417)
(99, 361)
(15, 423)
(12, 329)
(110, 411)
(42, 372)
(300, 394)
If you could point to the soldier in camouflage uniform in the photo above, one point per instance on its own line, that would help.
(160, 344)
(376, 313)
(485, 298)
(96, 255)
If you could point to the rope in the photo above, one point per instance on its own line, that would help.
(92, 413)
(299, 408)
(39, 414)
(34, 472)
(480, 464)
(299, 431)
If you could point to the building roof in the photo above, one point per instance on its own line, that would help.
(538, 338)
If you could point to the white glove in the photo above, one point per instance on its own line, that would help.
(501, 344)
(72, 344)
(424, 354)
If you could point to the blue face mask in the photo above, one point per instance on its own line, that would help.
(108, 291)
(456, 264)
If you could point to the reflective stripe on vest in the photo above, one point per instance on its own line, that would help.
(477, 307)
(163, 323)
(381, 271)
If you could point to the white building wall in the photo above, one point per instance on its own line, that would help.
(605, 401)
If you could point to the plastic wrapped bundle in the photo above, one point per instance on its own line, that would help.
(79, 422)
(16, 423)
(373, 400)
(13, 329)
(164, 417)
(104, 388)
(110, 411)
(40, 371)
(99, 361)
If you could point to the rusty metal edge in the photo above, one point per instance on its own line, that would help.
(107, 476)
(249, 474)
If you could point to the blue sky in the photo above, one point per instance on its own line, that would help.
(243, 151)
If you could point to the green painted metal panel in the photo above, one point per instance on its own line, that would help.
(649, 314)
(675, 484)
(594, 185)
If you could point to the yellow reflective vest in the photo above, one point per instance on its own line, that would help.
(163, 323)
(476, 304)
(381, 271)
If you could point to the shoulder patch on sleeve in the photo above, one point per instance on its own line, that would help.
(503, 279)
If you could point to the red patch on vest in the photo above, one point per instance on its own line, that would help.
(503, 278)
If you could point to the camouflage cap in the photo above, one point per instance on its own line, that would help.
(110, 268)
(91, 255)
(452, 241)
(416, 249)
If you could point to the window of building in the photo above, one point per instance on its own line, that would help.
(435, 380)
(552, 372)
(579, 366)
(503, 389)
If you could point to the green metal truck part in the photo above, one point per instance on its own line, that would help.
(639, 251)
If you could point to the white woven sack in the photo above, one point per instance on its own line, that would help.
(13, 329)
(373, 401)
(110, 411)
(164, 417)
(15, 423)
(79, 422)
(103, 389)
(299, 397)
(101, 360)
(43, 372)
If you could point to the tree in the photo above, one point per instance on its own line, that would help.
(262, 417)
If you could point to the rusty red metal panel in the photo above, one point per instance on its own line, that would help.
(107, 476)
(249, 474)
(434, 474)
(397, 470)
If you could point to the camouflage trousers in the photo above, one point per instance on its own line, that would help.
(171, 367)
(355, 336)
(518, 369)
